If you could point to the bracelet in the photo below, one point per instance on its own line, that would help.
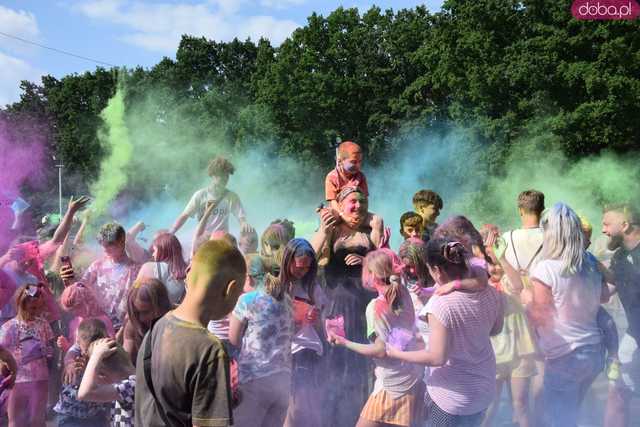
(457, 284)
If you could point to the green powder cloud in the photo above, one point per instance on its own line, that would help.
(114, 137)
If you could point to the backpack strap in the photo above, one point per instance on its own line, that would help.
(534, 257)
(513, 247)
(147, 376)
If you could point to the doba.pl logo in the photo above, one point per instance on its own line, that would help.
(605, 9)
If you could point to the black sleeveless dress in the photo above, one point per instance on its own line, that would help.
(347, 371)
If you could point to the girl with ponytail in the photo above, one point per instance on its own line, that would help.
(461, 382)
(397, 396)
(261, 325)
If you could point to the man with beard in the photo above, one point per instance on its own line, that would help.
(216, 200)
(621, 224)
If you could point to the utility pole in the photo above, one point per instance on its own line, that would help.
(60, 166)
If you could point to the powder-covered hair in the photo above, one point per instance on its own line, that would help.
(276, 236)
(110, 233)
(294, 249)
(413, 252)
(224, 236)
(289, 226)
(385, 266)
(222, 263)
(256, 268)
(151, 291)
(411, 219)
(448, 255)
(346, 148)
(220, 166)
(460, 229)
(169, 250)
(77, 295)
(563, 238)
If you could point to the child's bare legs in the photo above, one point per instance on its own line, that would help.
(520, 400)
(28, 404)
(537, 387)
(493, 408)
(303, 408)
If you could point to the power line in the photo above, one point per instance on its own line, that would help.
(64, 52)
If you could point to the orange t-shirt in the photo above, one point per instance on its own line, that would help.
(336, 181)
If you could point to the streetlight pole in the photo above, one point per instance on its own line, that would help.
(60, 166)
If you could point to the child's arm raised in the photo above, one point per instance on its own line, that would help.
(90, 388)
(48, 248)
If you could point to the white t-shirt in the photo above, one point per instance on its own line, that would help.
(576, 299)
(526, 243)
(160, 271)
(219, 220)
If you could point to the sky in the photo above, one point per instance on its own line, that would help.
(140, 32)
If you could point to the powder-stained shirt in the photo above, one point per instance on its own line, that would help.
(68, 403)
(30, 342)
(466, 383)
(336, 181)
(112, 281)
(219, 219)
(576, 298)
(190, 374)
(266, 343)
(306, 336)
(394, 376)
(625, 266)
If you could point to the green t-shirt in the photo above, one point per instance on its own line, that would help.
(190, 374)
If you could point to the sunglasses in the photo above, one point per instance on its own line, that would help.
(33, 291)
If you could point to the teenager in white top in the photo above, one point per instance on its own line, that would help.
(225, 201)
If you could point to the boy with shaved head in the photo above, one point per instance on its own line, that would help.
(182, 369)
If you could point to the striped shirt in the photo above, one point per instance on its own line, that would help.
(466, 383)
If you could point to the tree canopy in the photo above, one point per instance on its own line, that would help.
(496, 66)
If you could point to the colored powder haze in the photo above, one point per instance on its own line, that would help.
(22, 156)
(169, 153)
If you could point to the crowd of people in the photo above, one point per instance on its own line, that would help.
(340, 330)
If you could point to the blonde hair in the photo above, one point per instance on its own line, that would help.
(384, 265)
(563, 238)
(276, 287)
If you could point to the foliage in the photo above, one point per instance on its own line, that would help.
(498, 67)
